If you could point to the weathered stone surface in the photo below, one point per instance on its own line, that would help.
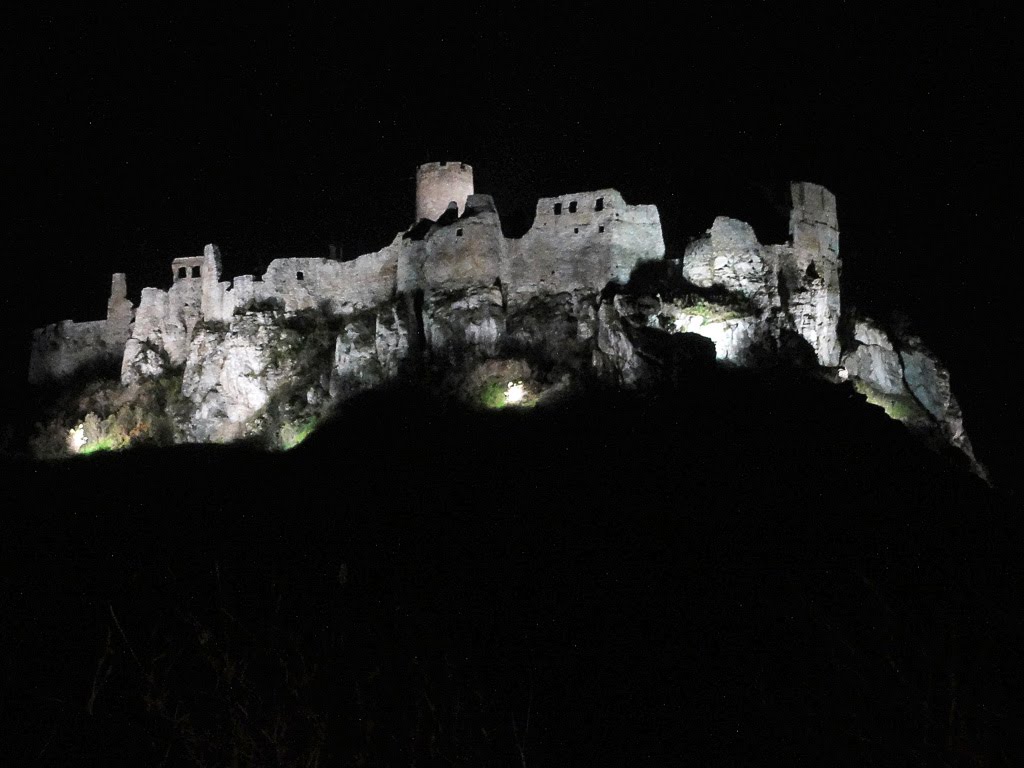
(231, 375)
(873, 359)
(357, 365)
(438, 184)
(466, 253)
(558, 326)
(928, 380)
(736, 340)
(730, 257)
(595, 238)
(63, 349)
(795, 286)
(811, 274)
(615, 358)
(464, 324)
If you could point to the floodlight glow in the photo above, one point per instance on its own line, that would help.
(77, 438)
(515, 393)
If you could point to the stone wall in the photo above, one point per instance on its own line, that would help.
(794, 285)
(811, 272)
(62, 349)
(581, 242)
(466, 253)
(459, 278)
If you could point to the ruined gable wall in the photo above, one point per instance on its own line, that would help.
(580, 242)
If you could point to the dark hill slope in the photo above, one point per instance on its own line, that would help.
(741, 569)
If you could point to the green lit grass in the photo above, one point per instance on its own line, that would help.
(293, 434)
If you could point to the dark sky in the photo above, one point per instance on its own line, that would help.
(133, 138)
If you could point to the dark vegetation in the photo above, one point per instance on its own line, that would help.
(739, 570)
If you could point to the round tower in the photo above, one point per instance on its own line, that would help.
(438, 184)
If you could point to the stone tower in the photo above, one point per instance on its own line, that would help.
(812, 275)
(438, 184)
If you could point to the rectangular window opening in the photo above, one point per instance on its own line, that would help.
(182, 272)
(558, 209)
(195, 271)
(599, 204)
(601, 228)
(300, 275)
(458, 232)
(575, 230)
(572, 207)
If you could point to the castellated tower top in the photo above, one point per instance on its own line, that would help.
(438, 184)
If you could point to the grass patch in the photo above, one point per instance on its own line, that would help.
(292, 434)
(902, 407)
(712, 313)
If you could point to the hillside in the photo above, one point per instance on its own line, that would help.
(740, 567)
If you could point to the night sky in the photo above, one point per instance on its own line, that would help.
(133, 138)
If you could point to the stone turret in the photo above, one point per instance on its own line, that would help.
(438, 184)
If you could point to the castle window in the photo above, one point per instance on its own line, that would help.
(195, 271)
(601, 228)
(458, 232)
(575, 230)
(599, 204)
(558, 209)
(182, 272)
(572, 207)
(300, 276)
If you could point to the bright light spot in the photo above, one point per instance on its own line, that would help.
(515, 393)
(77, 438)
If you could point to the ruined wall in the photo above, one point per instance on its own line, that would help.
(795, 285)
(810, 274)
(438, 184)
(62, 349)
(731, 256)
(466, 253)
(581, 242)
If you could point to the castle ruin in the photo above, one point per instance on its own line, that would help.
(454, 288)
